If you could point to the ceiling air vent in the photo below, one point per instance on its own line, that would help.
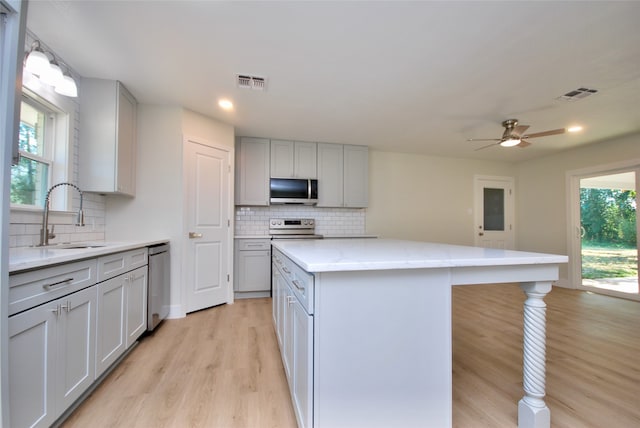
(578, 94)
(251, 82)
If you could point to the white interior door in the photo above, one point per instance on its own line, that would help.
(207, 171)
(494, 212)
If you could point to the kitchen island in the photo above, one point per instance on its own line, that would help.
(379, 327)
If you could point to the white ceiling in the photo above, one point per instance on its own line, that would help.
(418, 77)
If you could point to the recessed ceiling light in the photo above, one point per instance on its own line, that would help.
(225, 104)
(576, 128)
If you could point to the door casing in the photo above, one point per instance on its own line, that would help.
(492, 239)
(574, 244)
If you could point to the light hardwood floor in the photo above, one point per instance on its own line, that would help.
(221, 367)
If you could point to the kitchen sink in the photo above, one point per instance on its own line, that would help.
(72, 246)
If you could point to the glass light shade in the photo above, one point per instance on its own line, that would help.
(67, 87)
(37, 62)
(52, 76)
(510, 142)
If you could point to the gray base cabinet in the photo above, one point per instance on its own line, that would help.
(252, 265)
(65, 330)
(51, 358)
(292, 288)
(122, 306)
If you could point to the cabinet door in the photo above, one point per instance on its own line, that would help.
(302, 370)
(274, 296)
(126, 142)
(282, 301)
(287, 337)
(75, 370)
(356, 176)
(108, 137)
(32, 349)
(252, 172)
(253, 270)
(136, 307)
(330, 175)
(305, 160)
(110, 327)
(282, 159)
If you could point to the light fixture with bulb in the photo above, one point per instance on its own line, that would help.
(49, 71)
(510, 142)
(225, 104)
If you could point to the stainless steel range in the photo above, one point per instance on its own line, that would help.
(293, 228)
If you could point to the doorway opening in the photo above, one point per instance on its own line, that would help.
(609, 243)
(604, 244)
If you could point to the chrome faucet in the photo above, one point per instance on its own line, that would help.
(45, 235)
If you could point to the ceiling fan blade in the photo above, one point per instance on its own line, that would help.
(545, 133)
(519, 130)
(484, 139)
(524, 144)
(487, 146)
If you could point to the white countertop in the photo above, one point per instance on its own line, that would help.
(336, 255)
(25, 258)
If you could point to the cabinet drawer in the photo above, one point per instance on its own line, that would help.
(33, 288)
(300, 281)
(254, 244)
(119, 263)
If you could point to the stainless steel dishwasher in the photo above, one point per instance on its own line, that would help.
(159, 281)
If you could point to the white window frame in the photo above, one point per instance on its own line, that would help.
(62, 112)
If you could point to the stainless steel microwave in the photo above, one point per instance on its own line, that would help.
(301, 191)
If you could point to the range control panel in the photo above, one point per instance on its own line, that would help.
(292, 225)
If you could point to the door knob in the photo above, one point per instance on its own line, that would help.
(193, 235)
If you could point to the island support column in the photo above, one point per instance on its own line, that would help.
(532, 410)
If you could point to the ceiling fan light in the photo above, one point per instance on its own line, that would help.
(67, 87)
(37, 62)
(510, 142)
(576, 128)
(53, 75)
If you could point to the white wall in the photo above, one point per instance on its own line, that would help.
(157, 210)
(541, 203)
(425, 198)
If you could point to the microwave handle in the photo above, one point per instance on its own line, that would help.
(308, 189)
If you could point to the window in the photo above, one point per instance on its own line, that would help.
(43, 144)
(30, 177)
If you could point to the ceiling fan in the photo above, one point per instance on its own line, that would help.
(514, 135)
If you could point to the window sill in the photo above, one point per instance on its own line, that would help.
(29, 215)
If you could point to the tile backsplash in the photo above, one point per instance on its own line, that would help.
(329, 221)
(25, 226)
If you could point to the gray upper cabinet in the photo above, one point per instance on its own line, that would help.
(356, 176)
(293, 159)
(107, 155)
(252, 171)
(330, 175)
(343, 176)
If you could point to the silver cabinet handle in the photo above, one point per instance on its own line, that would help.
(284, 268)
(297, 284)
(193, 235)
(59, 283)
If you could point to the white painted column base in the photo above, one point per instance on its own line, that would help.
(533, 417)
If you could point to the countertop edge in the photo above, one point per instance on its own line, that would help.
(344, 262)
(29, 258)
